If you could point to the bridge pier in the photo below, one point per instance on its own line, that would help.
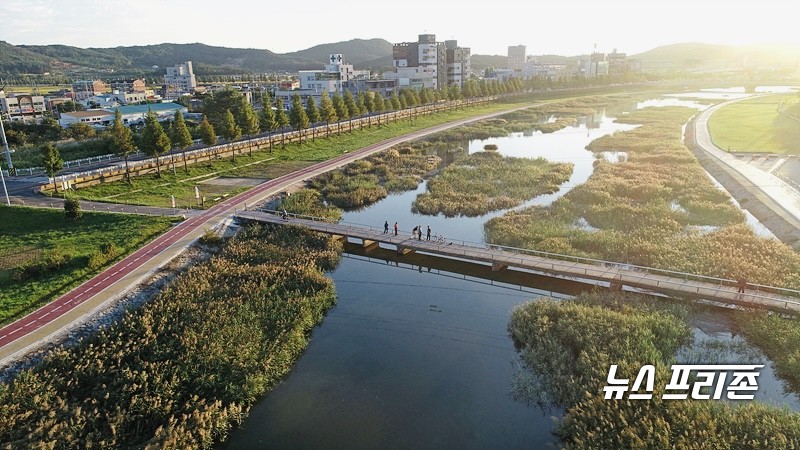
(368, 244)
(404, 250)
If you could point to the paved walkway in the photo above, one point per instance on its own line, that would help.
(49, 321)
(671, 283)
(777, 189)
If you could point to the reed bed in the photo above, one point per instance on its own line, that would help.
(487, 181)
(567, 348)
(183, 369)
(657, 208)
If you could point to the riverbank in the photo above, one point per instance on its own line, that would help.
(768, 211)
(182, 370)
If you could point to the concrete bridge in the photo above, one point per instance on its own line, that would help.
(605, 273)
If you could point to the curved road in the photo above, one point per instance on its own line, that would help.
(42, 325)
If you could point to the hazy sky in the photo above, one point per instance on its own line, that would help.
(566, 27)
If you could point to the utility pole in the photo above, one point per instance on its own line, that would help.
(8, 159)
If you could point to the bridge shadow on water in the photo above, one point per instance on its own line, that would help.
(519, 280)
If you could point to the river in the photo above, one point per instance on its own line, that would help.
(417, 358)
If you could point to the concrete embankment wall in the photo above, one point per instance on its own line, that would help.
(769, 212)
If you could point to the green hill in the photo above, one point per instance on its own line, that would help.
(205, 58)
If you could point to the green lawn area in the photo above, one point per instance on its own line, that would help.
(31, 237)
(756, 126)
(152, 191)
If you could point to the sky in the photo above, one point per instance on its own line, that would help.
(488, 27)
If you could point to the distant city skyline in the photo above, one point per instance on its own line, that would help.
(488, 28)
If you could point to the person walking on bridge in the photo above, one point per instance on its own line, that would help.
(386, 227)
(395, 228)
(428, 235)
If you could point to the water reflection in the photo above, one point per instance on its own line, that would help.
(406, 359)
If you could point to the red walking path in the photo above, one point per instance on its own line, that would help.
(47, 322)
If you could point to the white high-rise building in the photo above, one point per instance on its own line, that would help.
(179, 79)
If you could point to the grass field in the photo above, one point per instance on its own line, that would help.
(756, 126)
(30, 236)
(152, 191)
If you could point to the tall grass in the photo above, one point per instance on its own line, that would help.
(568, 347)
(184, 368)
(645, 210)
(487, 181)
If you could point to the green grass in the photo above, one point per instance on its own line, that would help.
(29, 235)
(756, 126)
(152, 191)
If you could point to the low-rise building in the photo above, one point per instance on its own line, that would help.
(137, 85)
(21, 107)
(338, 76)
(83, 89)
(131, 115)
(95, 117)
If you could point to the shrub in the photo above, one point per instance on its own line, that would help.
(72, 209)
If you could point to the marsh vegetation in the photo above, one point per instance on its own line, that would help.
(487, 181)
(568, 347)
(656, 208)
(184, 368)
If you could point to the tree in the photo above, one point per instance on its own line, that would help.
(181, 138)
(341, 109)
(369, 101)
(51, 161)
(377, 102)
(122, 141)
(69, 106)
(222, 101)
(350, 103)
(394, 102)
(266, 119)
(154, 141)
(81, 131)
(229, 130)
(326, 110)
(297, 115)
(361, 104)
(313, 114)
(282, 119)
(246, 117)
(378, 105)
(207, 133)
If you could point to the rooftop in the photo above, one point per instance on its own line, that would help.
(155, 107)
(89, 113)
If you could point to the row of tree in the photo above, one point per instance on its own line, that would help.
(229, 114)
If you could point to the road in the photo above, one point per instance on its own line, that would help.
(45, 324)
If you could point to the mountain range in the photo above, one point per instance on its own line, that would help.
(374, 54)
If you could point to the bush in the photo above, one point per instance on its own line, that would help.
(210, 237)
(72, 208)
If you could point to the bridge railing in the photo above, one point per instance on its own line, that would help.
(723, 284)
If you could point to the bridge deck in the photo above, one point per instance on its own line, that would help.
(655, 280)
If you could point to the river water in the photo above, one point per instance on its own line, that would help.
(413, 358)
